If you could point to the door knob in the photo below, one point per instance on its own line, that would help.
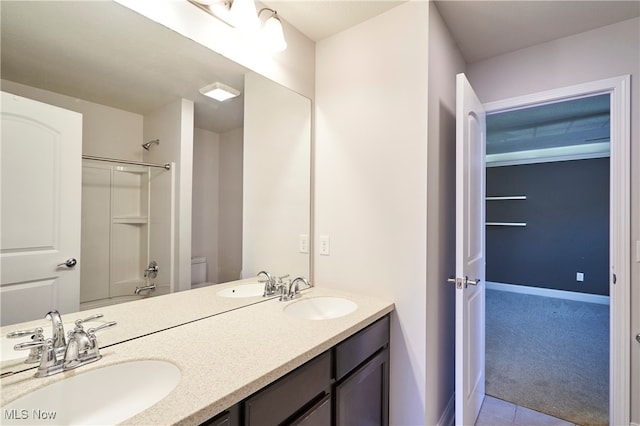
(69, 263)
(467, 281)
(460, 281)
(638, 338)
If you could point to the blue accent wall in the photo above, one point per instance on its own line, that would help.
(567, 216)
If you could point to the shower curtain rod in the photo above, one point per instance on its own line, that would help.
(135, 163)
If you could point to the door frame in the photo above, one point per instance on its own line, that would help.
(619, 224)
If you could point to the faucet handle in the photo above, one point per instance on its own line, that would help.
(36, 336)
(92, 350)
(22, 333)
(48, 362)
(34, 344)
(89, 318)
(78, 323)
(102, 327)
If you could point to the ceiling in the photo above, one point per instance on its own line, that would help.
(319, 19)
(482, 29)
(71, 48)
(76, 44)
(579, 123)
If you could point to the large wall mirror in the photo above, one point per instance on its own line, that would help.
(135, 82)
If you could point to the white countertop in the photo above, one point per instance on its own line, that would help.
(144, 316)
(224, 358)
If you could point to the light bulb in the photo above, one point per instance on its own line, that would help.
(243, 15)
(273, 34)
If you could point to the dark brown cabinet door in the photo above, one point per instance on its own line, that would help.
(362, 399)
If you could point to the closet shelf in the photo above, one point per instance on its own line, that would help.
(506, 197)
(131, 220)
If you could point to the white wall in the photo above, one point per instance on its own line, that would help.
(371, 181)
(276, 178)
(445, 61)
(173, 125)
(602, 53)
(204, 223)
(217, 203)
(106, 132)
(230, 213)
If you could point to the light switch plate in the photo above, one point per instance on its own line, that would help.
(325, 248)
(304, 244)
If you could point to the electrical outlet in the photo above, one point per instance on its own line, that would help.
(579, 276)
(325, 248)
(304, 243)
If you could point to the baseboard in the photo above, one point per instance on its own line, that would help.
(448, 417)
(547, 292)
(634, 424)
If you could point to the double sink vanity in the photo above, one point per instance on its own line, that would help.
(321, 358)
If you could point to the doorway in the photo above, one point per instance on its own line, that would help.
(617, 89)
(470, 342)
(547, 258)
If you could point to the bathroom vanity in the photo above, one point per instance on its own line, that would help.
(256, 365)
(348, 383)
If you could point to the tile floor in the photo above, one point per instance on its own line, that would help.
(496, 412)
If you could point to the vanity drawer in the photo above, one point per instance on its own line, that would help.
(359, 347)
(290, 394)
(230, 417)
(318, 415)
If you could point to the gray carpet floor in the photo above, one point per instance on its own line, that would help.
(550, 355)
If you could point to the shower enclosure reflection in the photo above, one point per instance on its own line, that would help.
(126, 225)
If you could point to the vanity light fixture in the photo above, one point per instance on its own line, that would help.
(242, 15)
(272, 31)
(219, 92)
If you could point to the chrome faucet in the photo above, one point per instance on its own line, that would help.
(294, 289)
(147, 287)
(82, 347)
(57, 330)
(269, 283)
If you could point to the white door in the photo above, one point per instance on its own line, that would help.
(40, 161)
(470, 246)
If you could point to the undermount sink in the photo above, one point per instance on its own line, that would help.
(243, 290)
(7, 353)
(321, 308)
(104, 396)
